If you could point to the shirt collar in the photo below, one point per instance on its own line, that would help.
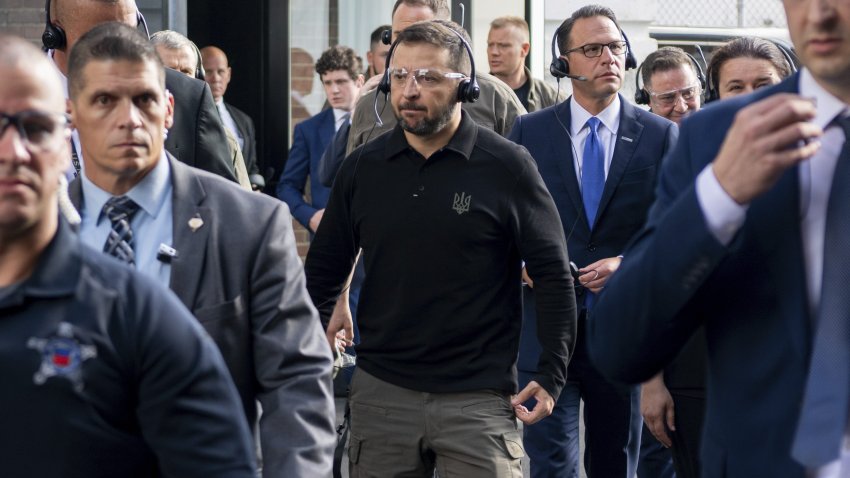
(150, 193)
(463, 141)
(609, 117)
(828, 106)
(339, 114)
(57, 271)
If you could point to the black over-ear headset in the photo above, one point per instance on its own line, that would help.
(387, 37)
(467, 91)
(54, 37)
(560, 67)
(642, 96)
(199, 70)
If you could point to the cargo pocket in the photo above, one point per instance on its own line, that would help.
(513, 445)
(354, 449)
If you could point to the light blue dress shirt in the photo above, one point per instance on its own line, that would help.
(152, 225)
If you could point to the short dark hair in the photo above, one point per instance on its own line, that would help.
(439, 7)
(340, 58)
(746, 47)
(664, 59)
(587, 11)
(375, 37)
(444, 35)
(110, 41)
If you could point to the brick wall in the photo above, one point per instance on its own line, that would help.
(23, 18)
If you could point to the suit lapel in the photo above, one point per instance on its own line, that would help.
(191, 224)
(562, 151)
(237, 119)
(327, 128)
(777, 219)
(628, 136)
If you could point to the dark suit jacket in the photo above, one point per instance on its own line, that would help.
(750, 295)
(333, 156)
(197, 137)
(642, 141)
(245, 125)
(240, 275)
(310, 139)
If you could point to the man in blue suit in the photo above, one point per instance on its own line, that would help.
(751, 204)
(598, 156)
(339, 68)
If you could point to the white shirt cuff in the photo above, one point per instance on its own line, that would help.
(722, 214)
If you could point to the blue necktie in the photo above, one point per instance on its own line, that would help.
(823, 419)
(592, 182)
(119, 243)
(592, 171)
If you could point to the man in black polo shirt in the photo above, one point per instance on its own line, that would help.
(445, 212)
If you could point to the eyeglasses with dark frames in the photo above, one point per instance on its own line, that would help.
(39, 130)
(594, 50)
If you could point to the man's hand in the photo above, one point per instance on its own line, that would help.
(340, 333)
(594, 276)
(656, 406)
(316, 219)
(766, 138)
(526, 278)
(544, 407)
(370, 84)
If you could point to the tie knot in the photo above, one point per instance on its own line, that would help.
(120, 207)
(593, 123)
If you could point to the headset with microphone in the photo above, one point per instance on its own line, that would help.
(560, 67)
(467, 91)
(642, 96)
(54, 37)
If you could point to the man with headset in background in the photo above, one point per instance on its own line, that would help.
(495, 109)
(673, 83)
(673, 402)
(445, 211)
(599, 156)
(197, 137)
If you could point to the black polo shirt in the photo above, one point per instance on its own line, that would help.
(106, 374)
(443, 241)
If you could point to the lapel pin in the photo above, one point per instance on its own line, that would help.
(195, 223)
(624, 138)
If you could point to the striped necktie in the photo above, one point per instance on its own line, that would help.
(120, 211)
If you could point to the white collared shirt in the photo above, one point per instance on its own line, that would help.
(340, 116)
(229, 122)
(724, 216)
(607, 131)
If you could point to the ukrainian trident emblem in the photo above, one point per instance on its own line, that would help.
(461, 203)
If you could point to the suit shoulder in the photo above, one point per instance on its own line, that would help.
(222, 192)
(723, 112)
(183, 86)
(650, 120)
(313, 122)
(542, 117)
